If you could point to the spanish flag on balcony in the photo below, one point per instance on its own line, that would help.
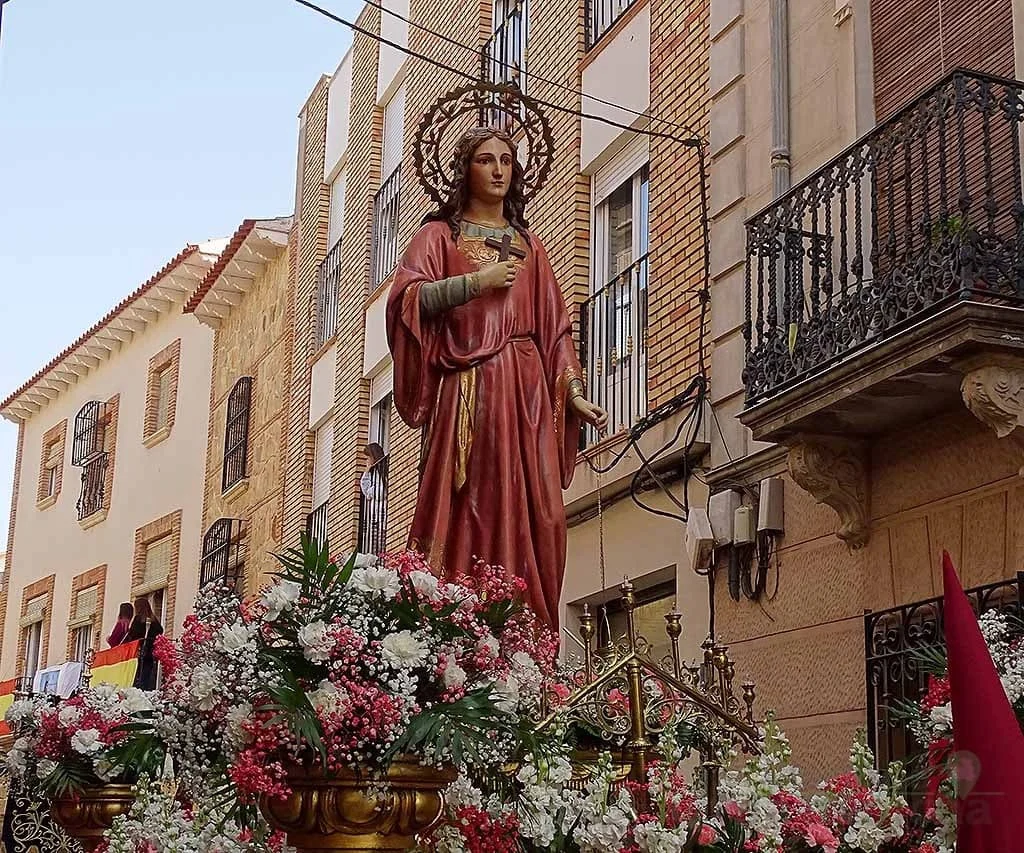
(6, 700)
(116, 666)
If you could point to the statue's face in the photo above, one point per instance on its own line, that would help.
(490, 170)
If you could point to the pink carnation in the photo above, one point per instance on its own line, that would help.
(733, 810)
(818, 835)
(709, 836)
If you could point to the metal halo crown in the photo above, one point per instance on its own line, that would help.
(483, 100)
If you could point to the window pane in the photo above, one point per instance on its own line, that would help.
(33, 646)
(620, 229)
(83, 642)
(51, 482)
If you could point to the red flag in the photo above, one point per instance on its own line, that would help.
(988, 743)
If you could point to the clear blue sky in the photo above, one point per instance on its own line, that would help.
(128, 129)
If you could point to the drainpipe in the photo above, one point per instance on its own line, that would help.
(778, 16)
(779, 28)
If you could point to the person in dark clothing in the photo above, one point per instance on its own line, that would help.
(147, 628)
(124, 622)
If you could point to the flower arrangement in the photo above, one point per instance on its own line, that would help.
(159, 822)
(336, 667)
(761, 807)
(65, 747)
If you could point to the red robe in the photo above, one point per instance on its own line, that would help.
(490, 380)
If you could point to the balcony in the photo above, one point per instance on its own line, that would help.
(373, 509)
(327, 295)
(385, 228)
(881, 284)
(613, 349)
(602, 15)
(316, 524)
(94, 480)
(503, 58)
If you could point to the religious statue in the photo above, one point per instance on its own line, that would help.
(484, 359)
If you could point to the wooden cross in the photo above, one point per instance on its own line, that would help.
(505, 247)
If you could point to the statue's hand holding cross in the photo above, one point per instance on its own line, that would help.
(505, 247)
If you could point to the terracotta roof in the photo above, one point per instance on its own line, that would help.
(234, 244)
(88, 349)
(244, 259)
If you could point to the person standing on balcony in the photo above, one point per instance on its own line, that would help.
(373, 484)
(484, 359)
(124, 621)
(145, 627)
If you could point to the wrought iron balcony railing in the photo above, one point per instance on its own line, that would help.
(327, 295)
(602, 15)
(924, 211)
(503, 59)
(223, 557)
(894, 640)
(316, 524)
(385, 227)
(94, 483)
(613, 348)
(373, 509)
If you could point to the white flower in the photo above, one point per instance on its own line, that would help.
(315, 641)
(506, 694)
(376, 579)
(490, 645)
(134, 700)
(233, 637)
(454, 675)
(327, 697)
(45, 767)
(279, 598)
(655, 838)
(17, 757)
(424, 584)
(864, 834)
(86, 741)
(403, 650)
(21, 711)
(205, 683)
(941, 717)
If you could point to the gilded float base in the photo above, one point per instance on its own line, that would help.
(351, 812)
(88, 815)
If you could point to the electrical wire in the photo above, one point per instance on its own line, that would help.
(689, 142)
(529, 74)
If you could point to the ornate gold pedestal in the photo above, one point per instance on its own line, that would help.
(352, 813)
(88, 815)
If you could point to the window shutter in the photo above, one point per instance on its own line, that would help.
(163, 398)
(158, 565)
(394, 127)
(630, 160)
(35, 610)
(85, 602)
(54, 455)
(322, 464)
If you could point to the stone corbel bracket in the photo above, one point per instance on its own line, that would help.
(835, 472)
(993, 390)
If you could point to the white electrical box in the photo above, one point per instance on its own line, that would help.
(721, 510)
(700, 541)
(743, 526)
(771, 512)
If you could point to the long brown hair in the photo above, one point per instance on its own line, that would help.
(143, 610)
(515, 201)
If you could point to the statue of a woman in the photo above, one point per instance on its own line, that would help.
(484, 357)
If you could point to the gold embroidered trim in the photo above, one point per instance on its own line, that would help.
(473, 247)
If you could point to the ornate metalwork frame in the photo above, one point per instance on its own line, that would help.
(523, 116)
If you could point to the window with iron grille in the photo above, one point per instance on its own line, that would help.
(223, 557)
(327, 295)
(373, 483)
(94, 485)
(88, 436)
(504, 54)
(385, 227)
(236, 434)
(894, 640)
(602, 15)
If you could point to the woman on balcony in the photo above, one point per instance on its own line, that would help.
(484, 358)
(123, 624)
(145, 627)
